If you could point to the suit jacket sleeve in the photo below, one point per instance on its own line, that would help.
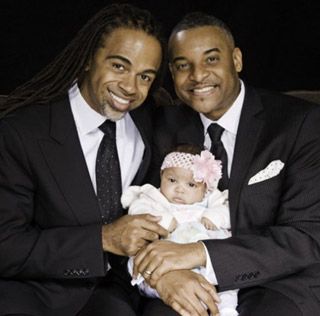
(288, 241)
(28, 247)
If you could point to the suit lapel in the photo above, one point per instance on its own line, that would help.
(248, 134)
(192, 130)
(65, 158)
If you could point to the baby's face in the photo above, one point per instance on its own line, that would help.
(178, 186)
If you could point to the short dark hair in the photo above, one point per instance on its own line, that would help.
(69, 66)
(197, 19)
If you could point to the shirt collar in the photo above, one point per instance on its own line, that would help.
(229, 120)
(86, 118)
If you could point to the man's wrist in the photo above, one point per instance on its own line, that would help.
(106, 238)
(201, 253)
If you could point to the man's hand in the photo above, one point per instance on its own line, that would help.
(127, 235)
(163, 256)
(188, 293)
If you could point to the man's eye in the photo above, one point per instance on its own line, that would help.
(118, 66)
(146, 78)
(212, 59)
(182, 66)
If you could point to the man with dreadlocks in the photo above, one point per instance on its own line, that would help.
(58, 251)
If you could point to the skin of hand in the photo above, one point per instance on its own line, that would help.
(208, 224)
(188, 293)
(162, 256)
(128, 234)
(173, 225)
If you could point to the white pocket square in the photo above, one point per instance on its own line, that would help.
(272, 170)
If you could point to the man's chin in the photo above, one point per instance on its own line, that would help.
(112, 114)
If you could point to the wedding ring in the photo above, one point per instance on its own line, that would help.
(147, 272)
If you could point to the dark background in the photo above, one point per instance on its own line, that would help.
(280, 40)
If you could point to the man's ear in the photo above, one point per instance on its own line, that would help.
(237, 59)
(87, 67)
(171, 70)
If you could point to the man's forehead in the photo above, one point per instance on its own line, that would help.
(197, 34)
(204, 39)
(132, 46)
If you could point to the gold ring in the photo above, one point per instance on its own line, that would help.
(147, 272)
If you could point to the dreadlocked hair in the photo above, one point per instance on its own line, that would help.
(69, 66)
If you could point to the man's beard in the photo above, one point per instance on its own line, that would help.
(110, 113)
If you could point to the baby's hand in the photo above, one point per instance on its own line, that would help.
(208, 224)
(173, 225)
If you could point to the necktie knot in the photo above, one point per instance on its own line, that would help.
(108, 128)
(215, 131)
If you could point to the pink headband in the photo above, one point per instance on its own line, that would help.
(205, 167)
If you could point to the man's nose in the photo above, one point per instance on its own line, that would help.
(129, 84)
(199, 73)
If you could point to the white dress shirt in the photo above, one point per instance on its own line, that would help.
(230, 122)
(129, 142)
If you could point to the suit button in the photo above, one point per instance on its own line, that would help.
(244, 277)
(83, 272)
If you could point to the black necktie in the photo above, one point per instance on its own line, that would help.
(108, 176)
(217, 149)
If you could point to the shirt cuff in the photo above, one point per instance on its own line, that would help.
(208, 271)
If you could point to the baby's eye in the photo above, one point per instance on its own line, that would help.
(172, 180)
(192, 185)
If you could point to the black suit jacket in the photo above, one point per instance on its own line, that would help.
(275, 223)
(50, 223)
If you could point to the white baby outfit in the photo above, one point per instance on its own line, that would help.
(148, 199)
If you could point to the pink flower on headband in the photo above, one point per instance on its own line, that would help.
(207, 169)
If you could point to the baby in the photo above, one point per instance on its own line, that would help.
(191, 207)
